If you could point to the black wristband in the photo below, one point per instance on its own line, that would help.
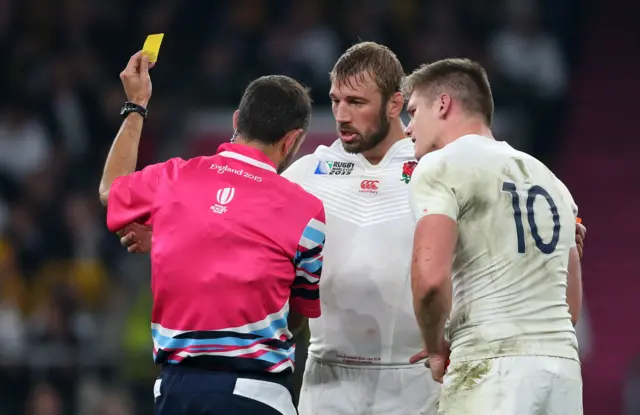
(130, 107)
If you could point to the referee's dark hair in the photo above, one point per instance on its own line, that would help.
(271, 106)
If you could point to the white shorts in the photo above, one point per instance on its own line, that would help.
(340, 390)
(518, 385)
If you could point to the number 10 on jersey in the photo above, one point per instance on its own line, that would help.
(534, 191)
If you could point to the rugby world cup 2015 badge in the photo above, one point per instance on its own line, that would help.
(334, 168)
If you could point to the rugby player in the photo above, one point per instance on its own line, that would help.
(494, 254)
(358, 358)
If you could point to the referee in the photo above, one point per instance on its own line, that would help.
(237, 251)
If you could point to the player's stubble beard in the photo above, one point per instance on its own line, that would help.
(365, 142)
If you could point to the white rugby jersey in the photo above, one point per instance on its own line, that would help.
(365, 291)
(516, 224)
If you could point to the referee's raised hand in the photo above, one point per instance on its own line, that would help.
(136, 80)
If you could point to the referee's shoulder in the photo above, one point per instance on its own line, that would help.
(302, 196)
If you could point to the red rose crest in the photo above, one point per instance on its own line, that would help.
(407, 170)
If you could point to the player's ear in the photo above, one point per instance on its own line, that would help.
(442, 105)
(236, 114)
(395, 105)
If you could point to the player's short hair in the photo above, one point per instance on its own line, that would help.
(370, 58)
(271, 106)
(464, 79)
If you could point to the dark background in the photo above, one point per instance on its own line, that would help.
(74, 308)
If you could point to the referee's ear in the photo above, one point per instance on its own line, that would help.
(291, 141)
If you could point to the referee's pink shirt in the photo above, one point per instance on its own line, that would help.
(235, 245)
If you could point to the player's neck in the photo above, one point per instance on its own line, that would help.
(396, 133)
(467, 127)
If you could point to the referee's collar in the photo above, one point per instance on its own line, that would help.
(247, 154)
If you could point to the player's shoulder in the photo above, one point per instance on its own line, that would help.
(453, 163)
(439, 162)
(332, 154)
(542, 172)
(480, 154)
(564, 190)
(563, 187)
(404, 150)
(300, 168)
(401, 153)
(315, 163)
(474, 147)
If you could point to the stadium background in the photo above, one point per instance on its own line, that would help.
(74, 308)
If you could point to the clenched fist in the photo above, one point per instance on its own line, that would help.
(136, 80)
(136, 238)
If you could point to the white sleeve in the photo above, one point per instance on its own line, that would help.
(300, 169)
(567, 193)
(431, 190)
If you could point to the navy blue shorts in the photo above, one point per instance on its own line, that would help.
(183, 390)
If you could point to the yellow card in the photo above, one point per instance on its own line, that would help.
(151, 46)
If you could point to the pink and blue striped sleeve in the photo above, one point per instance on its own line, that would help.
(305, 293)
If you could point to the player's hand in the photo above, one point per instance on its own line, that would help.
(438, 364)
(581, 234)
(421, 355)
(424, 355)
(136, 80)
(136, 238)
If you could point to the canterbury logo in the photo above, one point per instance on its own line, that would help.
(225, 195)
(369, 185)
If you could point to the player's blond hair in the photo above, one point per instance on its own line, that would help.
(464, 79)
(376, 60)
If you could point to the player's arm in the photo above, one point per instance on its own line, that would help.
(436, 210)
(305, 291)
(434, 242)
(574, 270)
(574, 284)
(581, 234)
(581, 230)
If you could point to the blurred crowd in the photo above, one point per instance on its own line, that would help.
(74, 308)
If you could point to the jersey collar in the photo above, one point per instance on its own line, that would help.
(385, 159)
(248, 155)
